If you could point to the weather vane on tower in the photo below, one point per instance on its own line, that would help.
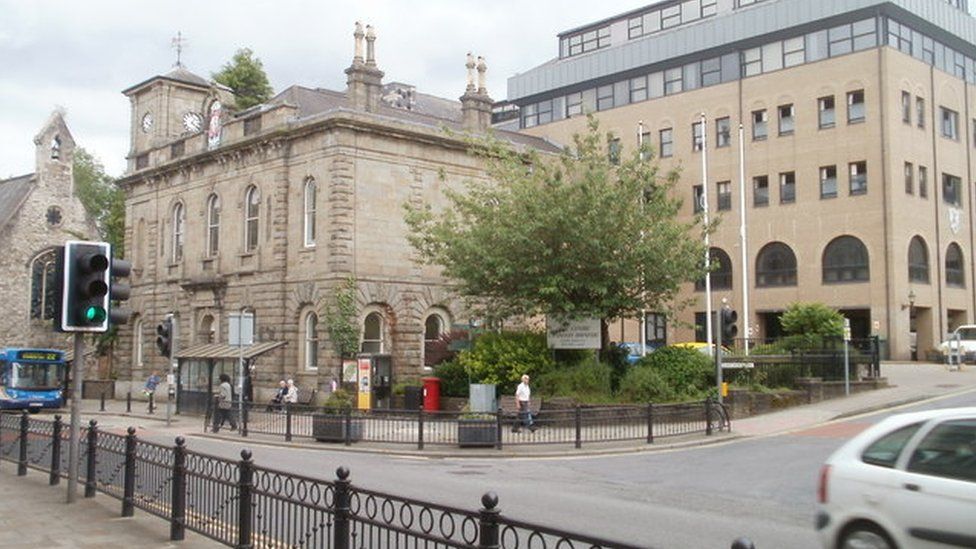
(178, 44)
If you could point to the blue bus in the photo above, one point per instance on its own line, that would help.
(31, 379)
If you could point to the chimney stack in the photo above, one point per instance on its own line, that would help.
(363, 79)
(475, 103)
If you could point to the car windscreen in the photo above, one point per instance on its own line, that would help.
(967, 333)
(35, 375)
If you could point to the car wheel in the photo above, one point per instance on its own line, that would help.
(866, 536)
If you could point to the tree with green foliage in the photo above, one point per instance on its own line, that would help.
(245, 75)
(340, 319)
(102, 199)
(578, 234)
(808, 324)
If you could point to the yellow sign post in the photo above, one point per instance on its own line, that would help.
(364, 384)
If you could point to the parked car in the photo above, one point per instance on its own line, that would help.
(633, 351)
(967, 342)
(909, 482)
(726, 354)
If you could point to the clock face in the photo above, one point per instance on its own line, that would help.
(147, 122)
(192, 122)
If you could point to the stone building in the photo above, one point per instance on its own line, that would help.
(858, 119)
(266, 211)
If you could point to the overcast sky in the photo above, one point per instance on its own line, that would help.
(81, 55)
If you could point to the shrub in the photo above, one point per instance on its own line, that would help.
(646, 384)
(454, 379)
(688, 371)
(808, 324)
(588, 381)
(502, 358)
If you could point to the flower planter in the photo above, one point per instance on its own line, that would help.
(476, 433)
(332, 428)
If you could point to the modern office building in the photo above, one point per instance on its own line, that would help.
(858, 119)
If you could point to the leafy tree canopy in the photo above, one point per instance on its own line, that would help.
(580, 234)
(103, 200)
(812, 319)
(245, 75)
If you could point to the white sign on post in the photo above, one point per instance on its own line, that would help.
(240, 329)
(563, 333)
(847, 329)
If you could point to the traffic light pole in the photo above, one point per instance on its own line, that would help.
(171, 378)
(718, 356)
(77, 367)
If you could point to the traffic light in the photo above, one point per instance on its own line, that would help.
(729, 329)
(118, 291)
(164, 336)
(84, 287)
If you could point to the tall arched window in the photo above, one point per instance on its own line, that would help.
(206, 333)
(252, 205)
(918, 261)
(137, 341)
(179, 225)
(435, 351)
(433, 327)
(44, 285)
(311, 341)
(721, 267)
(775, 266)
(954, 271)
(213, 225)
(845, 259)
(309, 212)
(56, 147)
(372, 341)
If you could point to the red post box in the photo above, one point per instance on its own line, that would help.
(432, 394)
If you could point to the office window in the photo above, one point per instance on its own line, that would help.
(667, 142)
(673, 81)
(697, 199)
(752, 62)
(825, 108)
(638, 89)
(954, 267)
(786, 121)
(787, 188)
(724, 194)
(759, 119)
(709, 7)
(544, 112)
(793, 52)
(760, 191)
(828, 182)
(845, 259)
(920, 112)
(923, 182)
(645, 146)
(671, 17)
(574, 104)
(909, 178)
(613, 151)
(697, 137)
(711, 71)
(859, 177)
(950, 123)
(855, 106)
(775, 266)
(951, 189)
(723, 132)
(840, 40)
(589, 41)
(530, 116)
(906, 107)
(721, 271)
(656, 330)
(918, 261)
(604, 98)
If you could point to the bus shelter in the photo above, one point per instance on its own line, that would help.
(199, 368)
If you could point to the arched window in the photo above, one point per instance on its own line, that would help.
(435, 350)
(252, 204)
(206, 332)
(775, 266)
(918, 261)
(309, 212)
(845, 259)
(44, 285)
(954, 271)
(56, 147)
(721, 267)
(433, 327)
(179, 222)
(213, 225)
(137, 341)
(372, 341)
(311, 341)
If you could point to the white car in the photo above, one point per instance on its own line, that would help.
(967, 341)
(907, 482)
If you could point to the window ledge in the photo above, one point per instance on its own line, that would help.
(854, 121)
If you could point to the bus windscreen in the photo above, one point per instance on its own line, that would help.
(34, 375)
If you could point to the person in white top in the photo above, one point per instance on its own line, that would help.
(523, 393)
(291, 397)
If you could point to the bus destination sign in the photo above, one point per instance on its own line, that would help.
(38, 355)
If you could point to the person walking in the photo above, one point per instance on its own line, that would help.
(150, 389)
(523, 394)
(225, 403)
(291, 397)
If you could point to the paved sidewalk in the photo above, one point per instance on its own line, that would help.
(34, 515)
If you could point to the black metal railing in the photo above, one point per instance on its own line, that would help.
(242, 505)
(780, 361)
(420, 428)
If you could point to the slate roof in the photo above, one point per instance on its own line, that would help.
(13, 193)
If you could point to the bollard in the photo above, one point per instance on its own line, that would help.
(579, 427)
(347, 432)
(287, 422)
(177, 521)
(128, 402)
(743, 543)
(650, 423)
(708, 417)
(55, 478)
(91, 473)
(498, 429)
(152, 404)
(244, 487)
(420, 427)
(488, 522)
(101, 403)
(129, 475)
(340, 532)
(244, 418)
(22, 459)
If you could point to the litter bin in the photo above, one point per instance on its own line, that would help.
(412, 397)
(432, 394)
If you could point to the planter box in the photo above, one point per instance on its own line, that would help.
(332, 428)
(476, 433)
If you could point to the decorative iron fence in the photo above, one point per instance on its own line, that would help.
(575, 426)
(241, 505)
(779, 362)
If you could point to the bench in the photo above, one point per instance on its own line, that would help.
(508, 407)
(305, 396)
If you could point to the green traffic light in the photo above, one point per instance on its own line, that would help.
(94, 314)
